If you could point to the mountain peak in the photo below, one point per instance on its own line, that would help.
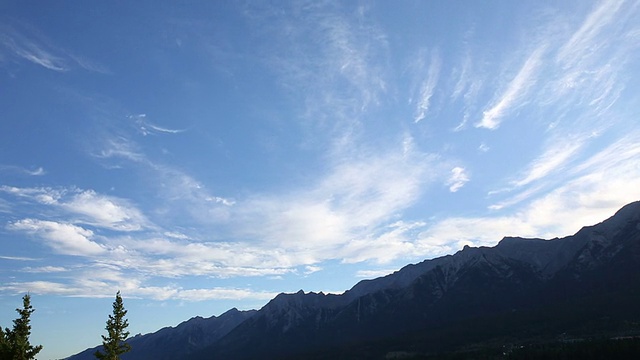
(542, 282)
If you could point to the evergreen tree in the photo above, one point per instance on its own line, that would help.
(5, 348)
(114, 344)
(14, 344)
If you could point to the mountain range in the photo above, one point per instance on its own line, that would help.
(521, 290)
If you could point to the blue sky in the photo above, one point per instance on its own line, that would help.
(201, 156)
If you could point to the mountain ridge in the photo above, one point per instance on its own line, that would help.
(533, 287)
(175, 342)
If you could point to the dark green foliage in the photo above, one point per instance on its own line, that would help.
(5, 349)
(114, 344)
(628, 348)
(14, 344)
(589, 349)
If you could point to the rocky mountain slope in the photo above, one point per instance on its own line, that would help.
(180, 341)
(582, 285)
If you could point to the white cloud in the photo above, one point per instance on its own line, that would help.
(146, 127)
(44, 269)
(178, 258)
(20, 170)
(119, 148)
(182, 193)
(592, 191)
(387, 244)
(93, 208)
(37, 172)
(459, 177)
(223, 293)
(335, 72)
(554, 157)
(176, 235)
(514, 92)
(31, 51)
(463, 78)
(152, 292)
(371, 274)
(5, 206)
(63, 238)
(105, 211)
(583, 43)
(18, 258)
(221, 200)
(89, 65)
(310, 269)
(353, 205)
(26, 42)
(623, 153)
(427, 87)
(42, 287)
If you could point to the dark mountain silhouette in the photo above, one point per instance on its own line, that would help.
(579, 286)
(180, 341)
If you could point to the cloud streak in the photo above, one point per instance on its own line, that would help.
(597, 187)
(31, 51)
(24, 42)
(583, 43)
(20, 170)
(428, 86)
(147, 128)
(515, 91)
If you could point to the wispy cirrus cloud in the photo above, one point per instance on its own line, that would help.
(581, 101)
(468, 85)
(558, 157)
(39, 171)
(354, 209)
(44, 269)
(427, 87)
(591, 59)
(18, 258)
(584, 43)
(389, 242)
(119, 147)
(34, 52)
(146, 127)
(516, 89)
(551, 160)
(335, 72)
(307, 224)
(596, 187)
(347, 212)
(24, 42)
(180, 192)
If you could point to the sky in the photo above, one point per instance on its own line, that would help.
(200, 156)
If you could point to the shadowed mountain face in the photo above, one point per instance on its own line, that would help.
(180, 341)
(582, 285)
